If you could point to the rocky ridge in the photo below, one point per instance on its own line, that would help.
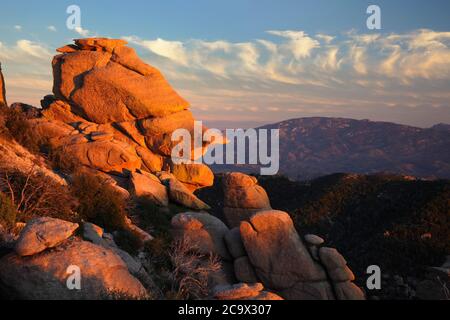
(113, 115)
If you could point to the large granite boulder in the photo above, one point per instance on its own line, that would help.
(340, 274)
(149, 187)
(280, 259)
(243, 198)
(95, 77)
(44, 276)
(202, 231)
(244, 291)
(43, 233)
(194, 176)
(115, 114)
(180, 194)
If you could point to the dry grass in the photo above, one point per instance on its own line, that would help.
(34, 194)
(191, 271)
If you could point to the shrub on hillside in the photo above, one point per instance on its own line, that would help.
(33, 194)
(19, 128)
(60, 162)
(99, 202)
(7, 212)
(191, 271)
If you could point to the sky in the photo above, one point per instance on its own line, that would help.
(243, 63)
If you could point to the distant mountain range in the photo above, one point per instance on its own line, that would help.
(312, 147)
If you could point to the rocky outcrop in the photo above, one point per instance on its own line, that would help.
(43, 233)
(284, 264)
(180, 194)
(244, 291)
(2, 89)
(243, 198)
(266, 251)
(281, 260)
(45, 276)
(94, 78)
(340, 275)
(148, 186)
(14, 157)
(112, 113)
(202, 231)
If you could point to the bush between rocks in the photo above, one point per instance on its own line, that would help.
(99, 202)
(7, 212)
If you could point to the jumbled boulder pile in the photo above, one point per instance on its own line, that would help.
(40, 266)
(114, 114)
(265, 249)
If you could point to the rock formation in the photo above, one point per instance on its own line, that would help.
(43, 233)
(266, 251)
(112, 113)
(244, 291)
(43, 274)
(243, 198)
(203, 231)
(2, 89)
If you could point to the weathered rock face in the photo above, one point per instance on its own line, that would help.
(113, 113)
(202, 231)
(194, 175)
(277, 252)
(43, 233)
(244, 291)
(243, 198)
(234, 243)
(148, 186)
(180, 194)
(340, 274)
(2, 89)
(279, 259)
(104, 74)
(44, 276)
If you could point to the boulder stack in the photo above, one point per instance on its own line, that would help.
(110, 112)
(46, 255)
(243, 198)
(268, 258)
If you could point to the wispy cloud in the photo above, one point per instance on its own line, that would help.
(282, 74)
(342, 71)
(51, 28)
(297, 58)
(82, 32)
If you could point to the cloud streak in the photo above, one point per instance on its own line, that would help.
(284, 73)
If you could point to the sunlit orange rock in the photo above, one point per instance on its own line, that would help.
(243, 197)
(109, 84)
(44, 276)
(2, 89)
